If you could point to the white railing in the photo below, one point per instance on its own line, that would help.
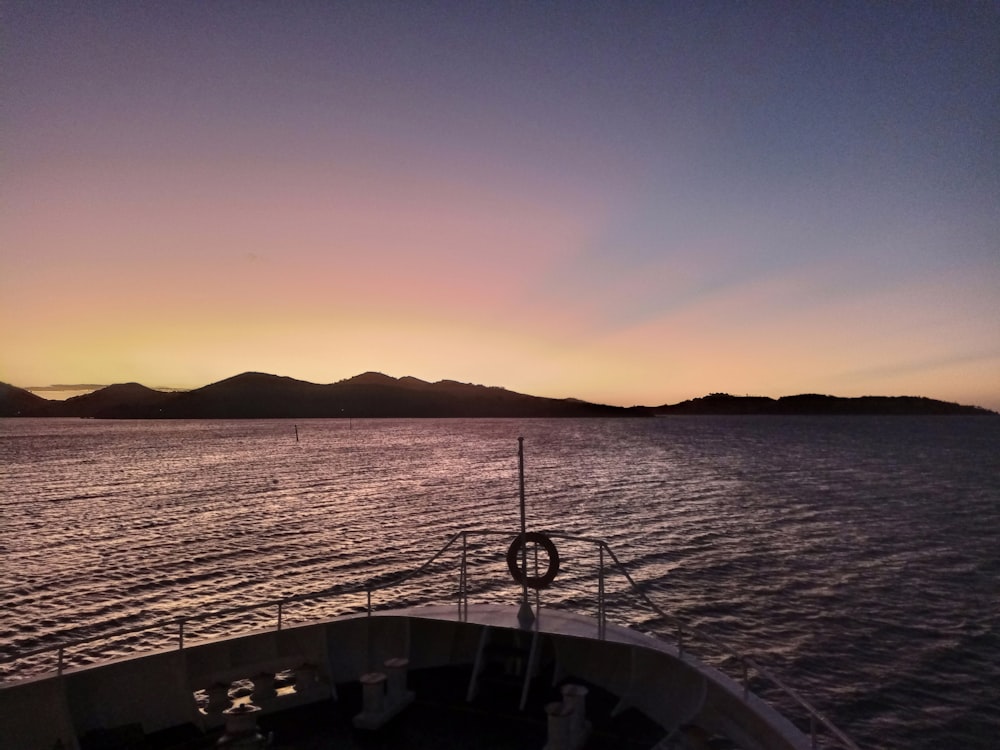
(607, 564)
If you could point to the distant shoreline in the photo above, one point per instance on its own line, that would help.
(374, 395)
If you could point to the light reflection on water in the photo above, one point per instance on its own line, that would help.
(857, 557)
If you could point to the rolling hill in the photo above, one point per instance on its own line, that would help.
(255, 395)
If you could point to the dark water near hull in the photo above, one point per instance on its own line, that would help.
(858, 558)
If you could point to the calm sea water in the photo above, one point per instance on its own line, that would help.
(858, 558)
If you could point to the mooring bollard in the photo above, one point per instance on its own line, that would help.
(395, 670)
(373, 693)
(241, 728)
(384, 694)
(560, 717)
(575, 697)
(218, 698)
(263, 686)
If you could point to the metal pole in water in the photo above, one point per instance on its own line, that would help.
(601, 615)
(524, 615)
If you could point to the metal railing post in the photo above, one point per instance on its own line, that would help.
(746, 678)
(680, 641)
(180, 634)
(538, 592)
(368, 590)
(59, 668)
(280, 603)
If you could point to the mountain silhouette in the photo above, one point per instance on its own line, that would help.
(122, 396)
(256, 395)
(814, 403)
(17, 402)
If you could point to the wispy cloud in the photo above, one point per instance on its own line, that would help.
(929, 364)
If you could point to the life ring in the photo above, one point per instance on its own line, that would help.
(514, 560)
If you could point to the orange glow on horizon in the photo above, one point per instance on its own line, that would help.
(610, 221)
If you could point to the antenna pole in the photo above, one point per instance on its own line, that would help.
(524, 615)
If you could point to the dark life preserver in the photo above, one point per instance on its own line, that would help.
(514, 560)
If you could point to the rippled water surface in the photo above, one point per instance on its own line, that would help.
(858, 558)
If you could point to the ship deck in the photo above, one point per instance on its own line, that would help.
(439, 718)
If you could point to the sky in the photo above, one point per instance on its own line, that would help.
(624, 202)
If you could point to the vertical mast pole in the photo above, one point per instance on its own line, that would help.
(524, 615)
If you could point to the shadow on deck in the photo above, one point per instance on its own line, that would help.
(439, 718)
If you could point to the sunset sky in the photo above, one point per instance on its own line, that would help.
(628, 203)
